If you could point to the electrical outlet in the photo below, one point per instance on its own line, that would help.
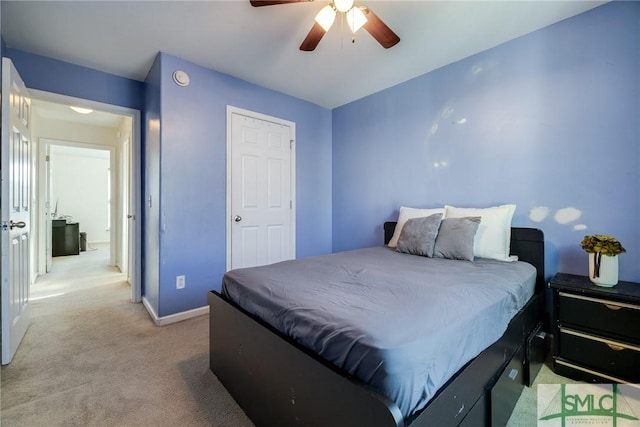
(180, 282)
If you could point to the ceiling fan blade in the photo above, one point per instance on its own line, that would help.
(258, 3)
(379, 30)
(313, 38)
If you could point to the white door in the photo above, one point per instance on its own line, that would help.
(16, 173)
(125, 216)
(128, 219)
(48, 209)
(262, 192)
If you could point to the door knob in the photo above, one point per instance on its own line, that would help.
(19, 224)
(237, 218)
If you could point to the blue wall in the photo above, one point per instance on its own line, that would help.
(52, 75)
(548, 121)
(3, 49)
(151, 192)
(193, 144)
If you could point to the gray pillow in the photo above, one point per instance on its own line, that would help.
(455, 238)
(418, 235)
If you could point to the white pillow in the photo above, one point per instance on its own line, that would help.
(493, 237)
(406, 214)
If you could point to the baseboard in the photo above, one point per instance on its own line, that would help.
(150, 310)
(174, 318)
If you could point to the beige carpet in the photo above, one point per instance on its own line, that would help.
(93, 358)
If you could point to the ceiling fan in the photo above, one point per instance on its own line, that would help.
(357, 17)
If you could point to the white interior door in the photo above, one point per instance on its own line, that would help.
(47, 208)
(128, 215)
(262, 189)
(124, 207)
(16, 177)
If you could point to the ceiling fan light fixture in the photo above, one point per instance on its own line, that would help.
(356, 19)
(325, 17)
(343, 5)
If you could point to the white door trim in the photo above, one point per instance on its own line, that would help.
(135, 277)
(228, 220)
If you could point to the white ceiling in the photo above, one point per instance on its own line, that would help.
(260, 45)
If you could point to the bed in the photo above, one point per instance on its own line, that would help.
(279, 377)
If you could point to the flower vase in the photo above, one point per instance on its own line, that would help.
(603, 269)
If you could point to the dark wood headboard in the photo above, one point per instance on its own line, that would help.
(526, 243)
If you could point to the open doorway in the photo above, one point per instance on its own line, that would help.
(80, 196)
(86, 187)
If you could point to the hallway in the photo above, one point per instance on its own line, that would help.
(73, 273)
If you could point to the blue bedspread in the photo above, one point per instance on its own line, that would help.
(402, 323)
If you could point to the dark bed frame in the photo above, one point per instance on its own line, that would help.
(277, 382)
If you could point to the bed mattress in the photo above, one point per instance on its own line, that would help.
(404, 324)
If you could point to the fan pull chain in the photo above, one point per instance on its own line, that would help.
(342, 19)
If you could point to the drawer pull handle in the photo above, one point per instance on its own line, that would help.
(612, 307)
(513, 374)
(615, 347)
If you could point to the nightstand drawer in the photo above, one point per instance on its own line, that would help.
(613, 318)
(581, 373)
(619, 359)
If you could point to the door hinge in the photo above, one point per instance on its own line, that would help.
(290, 204)
(47, 158)
(291, 144)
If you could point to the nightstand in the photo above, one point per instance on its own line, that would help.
(65, 238)
(596, 330)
